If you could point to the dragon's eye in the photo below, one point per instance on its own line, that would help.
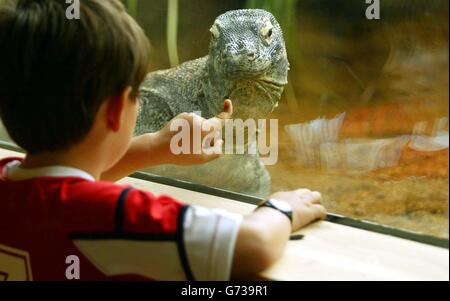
(267, 31)
(215, 31)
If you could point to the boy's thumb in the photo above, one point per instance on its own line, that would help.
(219, 120)
(227, 110)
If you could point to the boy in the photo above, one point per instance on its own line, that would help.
(68, 96)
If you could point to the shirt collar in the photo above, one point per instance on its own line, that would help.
(14, 172)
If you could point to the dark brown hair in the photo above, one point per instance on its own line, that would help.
(55, 73)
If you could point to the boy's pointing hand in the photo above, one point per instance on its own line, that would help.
(189, 139)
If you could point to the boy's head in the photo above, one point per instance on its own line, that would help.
(56, 74)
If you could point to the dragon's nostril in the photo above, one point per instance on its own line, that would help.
(251, 56)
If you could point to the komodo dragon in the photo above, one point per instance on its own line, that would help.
(247, 63)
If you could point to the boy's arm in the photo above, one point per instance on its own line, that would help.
(162, 239)
(143, 152)
(263, 235)
(154, 148)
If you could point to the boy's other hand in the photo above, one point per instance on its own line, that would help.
(202, 149)
(264, 233)
(306, 206)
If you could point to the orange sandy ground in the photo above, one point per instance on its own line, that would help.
(413, 195)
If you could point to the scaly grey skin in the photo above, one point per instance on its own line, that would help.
(247, 63)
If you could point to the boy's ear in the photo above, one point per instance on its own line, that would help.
(115, 108)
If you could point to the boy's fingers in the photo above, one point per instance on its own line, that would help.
(213, 152)
(321, 212)
(316, 197)
(210, 141)
(218, 147)
(302, 191)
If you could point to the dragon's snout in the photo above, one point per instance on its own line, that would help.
(242, 52)
(251, 56)
(243, 61)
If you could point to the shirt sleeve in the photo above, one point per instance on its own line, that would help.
(210, 239)
(163, 239)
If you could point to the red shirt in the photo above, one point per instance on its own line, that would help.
(40, 218)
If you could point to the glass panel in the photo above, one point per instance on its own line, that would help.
(364, 118)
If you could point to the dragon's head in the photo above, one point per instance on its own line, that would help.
(248, 49)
